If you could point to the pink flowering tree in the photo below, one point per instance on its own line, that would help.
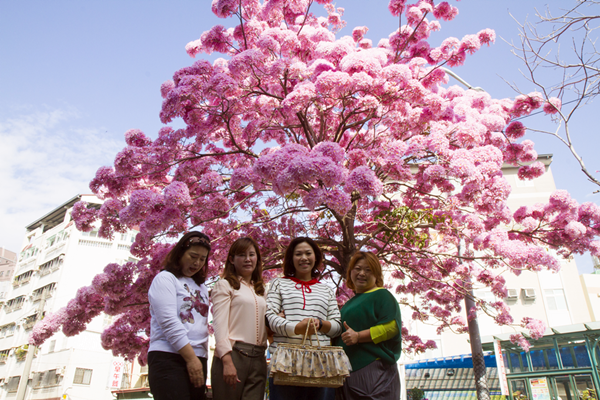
(296, 131)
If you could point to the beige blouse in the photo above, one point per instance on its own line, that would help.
(238, 316)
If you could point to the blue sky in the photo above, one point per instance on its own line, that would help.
(75, 75)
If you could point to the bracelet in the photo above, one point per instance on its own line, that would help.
(320, 324)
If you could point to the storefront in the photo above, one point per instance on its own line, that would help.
(562, 365)
(451, 378)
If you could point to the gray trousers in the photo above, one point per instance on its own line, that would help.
(376, 381)
(251, 366)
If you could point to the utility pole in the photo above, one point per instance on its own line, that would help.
(483, 392)
(479, 370)
(30, 352)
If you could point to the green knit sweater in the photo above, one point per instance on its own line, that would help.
(364, 311)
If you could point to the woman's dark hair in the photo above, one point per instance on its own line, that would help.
(229, 274)
(190, 239)
(288, 260)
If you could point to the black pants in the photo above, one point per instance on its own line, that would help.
(284, 392)
(169, 378)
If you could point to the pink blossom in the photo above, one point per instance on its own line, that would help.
(210, 181)
(338, 201)
(84, 216)
(525, 104)
(225, 8)
(457, 59)
(515, 130)
(553, 105)
(396, 7)
(359, 32)
(177, 193)
(575, 229)
(536, 327)
(135, 137)
(369, 61)
(470, 44)
(364, 181)
(561, 200)
(218, 39)
(166, 87)
(487, 36)
(193, 48)
(445, 11)
(520, 340)
(242, 177)
(365, 44)
(329, 149)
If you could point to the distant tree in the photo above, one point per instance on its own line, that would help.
(296, 132)
(561, 58)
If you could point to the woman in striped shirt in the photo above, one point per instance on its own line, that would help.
(301, 297)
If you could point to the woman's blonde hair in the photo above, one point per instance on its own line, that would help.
(372, 262)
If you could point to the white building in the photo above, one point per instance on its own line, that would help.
(591, 289)
(556, 298)
(8, 260)
(56, 259)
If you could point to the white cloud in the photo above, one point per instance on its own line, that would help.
(46, 158)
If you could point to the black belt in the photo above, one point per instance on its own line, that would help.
(260, 351)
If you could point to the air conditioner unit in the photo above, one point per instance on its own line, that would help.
(528, 293)
(512, 294)
(60, 371)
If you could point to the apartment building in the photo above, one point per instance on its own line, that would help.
(55, 260)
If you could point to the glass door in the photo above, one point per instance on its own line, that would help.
(563, 388)
(519, 389)
(585, 387)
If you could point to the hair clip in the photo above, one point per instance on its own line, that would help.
(202, 240)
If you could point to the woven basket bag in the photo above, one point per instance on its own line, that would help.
(308, 365)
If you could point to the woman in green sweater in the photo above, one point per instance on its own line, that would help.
(372, 337)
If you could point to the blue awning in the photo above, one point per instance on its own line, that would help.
(462, 361)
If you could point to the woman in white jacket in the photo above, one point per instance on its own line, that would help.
(178, 351)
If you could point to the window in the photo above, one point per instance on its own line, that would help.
(15, 304)
(13, 383)
(4, 355)
(7, 330)
(37, 379)
(51, 265)
(92, 233)
(51, 378)
(23, 278)
(36, 295)
(52, 346)
(555, 299)
(50, 242)
(1, 273)
(83, 376)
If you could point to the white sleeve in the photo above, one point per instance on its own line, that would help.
(333, 315)
(163, 300)
(279, 325)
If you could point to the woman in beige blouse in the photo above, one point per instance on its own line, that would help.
(239, 368)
